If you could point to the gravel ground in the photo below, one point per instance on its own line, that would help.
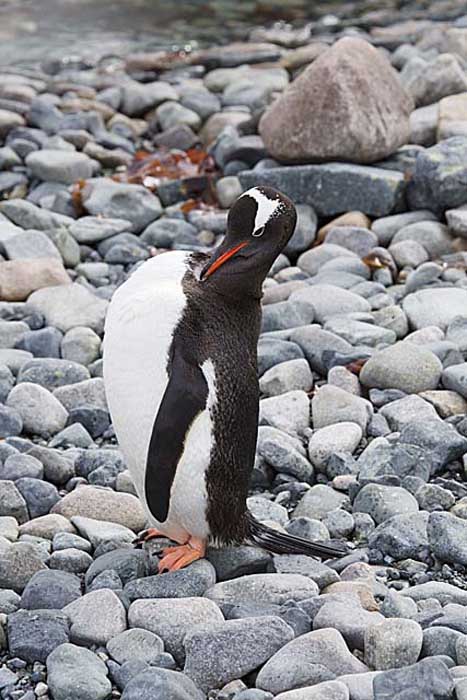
(362, 361)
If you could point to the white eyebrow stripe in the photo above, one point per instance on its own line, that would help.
(266, 206)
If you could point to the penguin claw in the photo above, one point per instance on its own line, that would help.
(145, 536)
(176, 558)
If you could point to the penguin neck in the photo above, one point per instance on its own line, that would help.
(237, 288)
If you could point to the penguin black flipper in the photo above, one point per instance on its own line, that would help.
(184, 398)
(283, 543)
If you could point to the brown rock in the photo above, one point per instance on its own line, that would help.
(82, 104)
(137, 126)
(46, 526)
(452, 119)
(362, 589)
(218, 121)
(236, 54)
(303, 56)
(18, 278)
(447, 403)
(348, 105)
(401, 32)
(8, 120)
(350, 218)
(102, 504)
(155, 60)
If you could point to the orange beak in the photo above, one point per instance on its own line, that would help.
(223, 258)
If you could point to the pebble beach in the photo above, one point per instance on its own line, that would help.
(359, 115)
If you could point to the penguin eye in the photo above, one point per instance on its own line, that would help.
(259, 232)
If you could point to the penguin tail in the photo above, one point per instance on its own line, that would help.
(282, 543)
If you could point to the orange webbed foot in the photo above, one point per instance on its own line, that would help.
(147, 535)
(176, 558)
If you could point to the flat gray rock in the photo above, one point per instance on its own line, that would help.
(34, 634)
(402, 536)
(318, 656)
(41, 413)
(93, 229)
(215, 654)
(289, 412)
(436, 182)
(61, 166)
(96, 617)
(393, 644)
(75, 673)
(333, 188)
(48, 590)
(70, 305)
(410, 409)
(331, 405)
(318, 501)
(135, 644)
(171, 620)
(266, 588)
(163, 683)
(429, 678)
(405, 366)
(328, 690)
(328, 300)
(339, 437)
(12, 503)
(435, 307)
(312, 261)
(447, 535)
(30, 244)
(351, 621)
(89, 392)
(382, 502)
(455, 378)
(189, 582)
(114, 200)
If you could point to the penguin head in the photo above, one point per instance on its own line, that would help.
(259, 225)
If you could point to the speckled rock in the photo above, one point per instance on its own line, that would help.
(215, 653)
(318, 656)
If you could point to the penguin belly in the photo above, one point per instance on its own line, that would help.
(140, 324)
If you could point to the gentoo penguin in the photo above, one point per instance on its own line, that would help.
(180, 371)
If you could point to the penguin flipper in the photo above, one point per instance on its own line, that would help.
(282, 543)
(184, 398)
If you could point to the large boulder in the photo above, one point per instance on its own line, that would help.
(347, 105)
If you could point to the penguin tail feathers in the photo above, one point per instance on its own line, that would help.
(282, 543)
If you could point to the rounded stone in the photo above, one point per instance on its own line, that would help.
(435, 307)
(382, 502)
(287, 376)
(340, 437)
(135, 644)
(404, 366)
(75, 673)
(393, 643)
(60, 166)
(41, 412)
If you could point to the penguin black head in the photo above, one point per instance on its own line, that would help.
(259, 226)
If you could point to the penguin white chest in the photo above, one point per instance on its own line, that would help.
(140, 325)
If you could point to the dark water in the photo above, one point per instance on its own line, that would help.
(33, 30)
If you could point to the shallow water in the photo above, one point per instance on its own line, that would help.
(37, 30)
